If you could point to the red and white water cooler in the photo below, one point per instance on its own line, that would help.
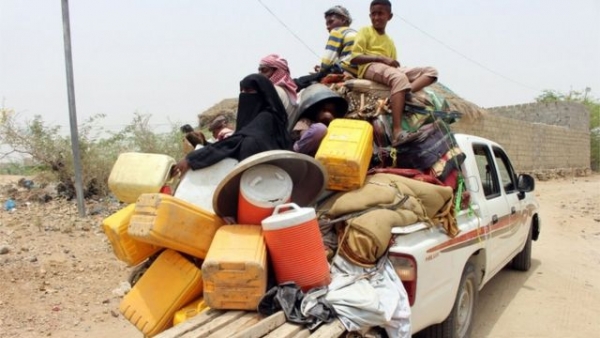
(296, 247)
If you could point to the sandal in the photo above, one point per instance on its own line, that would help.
(404, 137)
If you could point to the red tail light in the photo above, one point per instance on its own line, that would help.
(166, 190)
(406, 268)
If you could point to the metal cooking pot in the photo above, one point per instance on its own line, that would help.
(313, 96)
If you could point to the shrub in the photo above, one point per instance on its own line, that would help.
(49, 149)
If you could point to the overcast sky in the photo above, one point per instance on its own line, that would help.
(173, 58)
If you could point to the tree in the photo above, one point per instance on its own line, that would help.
(593, 106)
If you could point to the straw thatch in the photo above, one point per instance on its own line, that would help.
(469, 110)
(227, 107)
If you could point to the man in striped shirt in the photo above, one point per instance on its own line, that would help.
(341, 39)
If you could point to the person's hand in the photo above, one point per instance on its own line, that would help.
(181, 167)
(389, 61)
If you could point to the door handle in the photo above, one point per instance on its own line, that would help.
(513, 210)
(494, 219)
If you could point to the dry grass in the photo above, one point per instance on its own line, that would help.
(470, 111)
(227, 107)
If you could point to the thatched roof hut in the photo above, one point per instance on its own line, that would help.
(227, 107)
(469, 110)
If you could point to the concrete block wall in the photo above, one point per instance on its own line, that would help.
(572, 115)
(536, 147)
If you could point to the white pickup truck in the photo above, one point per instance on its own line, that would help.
(442, 275)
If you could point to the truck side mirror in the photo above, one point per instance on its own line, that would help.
(525, 183)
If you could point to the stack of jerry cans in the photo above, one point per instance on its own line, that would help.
(346, 152)
(134, 174)
(235, 269)
(169, 222)
(169, 283)
(125, 247)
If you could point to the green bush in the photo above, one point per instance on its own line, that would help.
(20, 169)
(49, 150)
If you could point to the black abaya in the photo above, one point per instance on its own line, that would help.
(261, 125)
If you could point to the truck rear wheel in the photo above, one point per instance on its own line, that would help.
(460, 320)
(522, 261)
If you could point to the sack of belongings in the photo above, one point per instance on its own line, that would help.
(435, 147)
(368, 99)
(384, 202)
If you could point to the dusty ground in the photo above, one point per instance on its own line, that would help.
(59, 277)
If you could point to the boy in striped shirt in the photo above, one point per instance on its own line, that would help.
(341, 39)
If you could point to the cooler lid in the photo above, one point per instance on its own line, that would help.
(288, 215)
(266, 185)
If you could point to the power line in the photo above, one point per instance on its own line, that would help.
(468, 58)
(288, 28)
(420, 30)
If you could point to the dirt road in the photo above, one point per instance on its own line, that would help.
(560, 295)
(59, 275)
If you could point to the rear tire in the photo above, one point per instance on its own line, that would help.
(460, 320)
(522, 261)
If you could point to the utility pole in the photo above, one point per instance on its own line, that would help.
(72, 111)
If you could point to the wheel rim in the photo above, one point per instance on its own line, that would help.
(465, 308)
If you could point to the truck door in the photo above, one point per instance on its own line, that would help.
(496, 220)
(515, 234)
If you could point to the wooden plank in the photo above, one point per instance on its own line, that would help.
(255, 319)
(262, 327)
(241, 324)
(190, 324)
(214, 325)
(287, 330)
(302, 334)
(247, 320)
(329, 330)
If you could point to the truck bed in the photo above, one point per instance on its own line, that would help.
(245, 324)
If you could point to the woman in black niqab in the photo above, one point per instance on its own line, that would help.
(261, 125)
